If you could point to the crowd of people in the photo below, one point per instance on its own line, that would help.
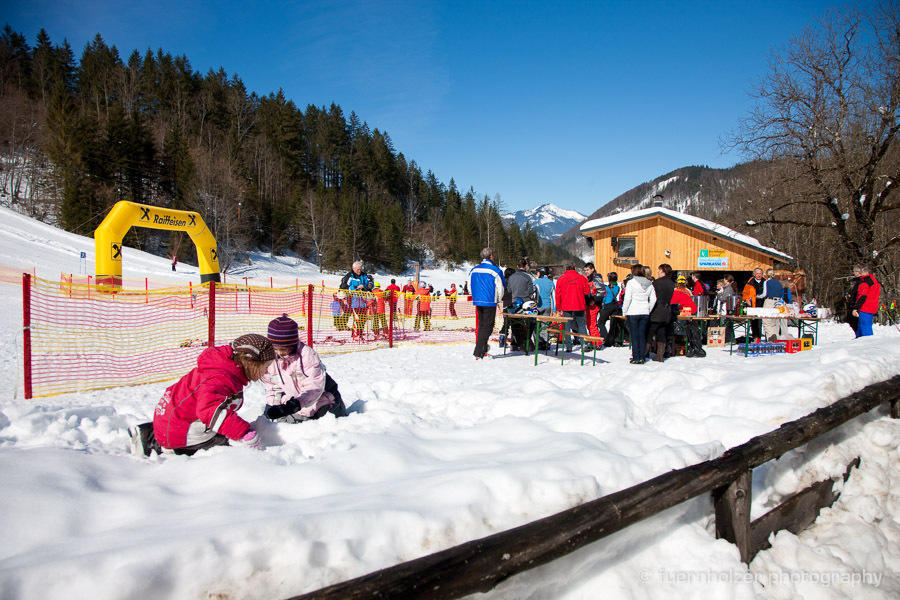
(360, 300)
(648, 303)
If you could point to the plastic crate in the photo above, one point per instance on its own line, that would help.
(790, 346)
(806, 343)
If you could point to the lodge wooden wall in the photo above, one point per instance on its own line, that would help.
(654, 235)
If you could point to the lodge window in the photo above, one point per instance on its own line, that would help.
(625, 248)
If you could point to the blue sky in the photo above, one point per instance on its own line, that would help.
(568, 102)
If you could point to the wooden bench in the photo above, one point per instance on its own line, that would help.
(596, 342)
(539, 321)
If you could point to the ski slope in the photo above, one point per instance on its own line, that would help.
(439, 449)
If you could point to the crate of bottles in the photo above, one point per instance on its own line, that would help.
(790, 346)
(806, 343)
(760, 349)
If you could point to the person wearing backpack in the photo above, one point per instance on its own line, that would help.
(700, 288)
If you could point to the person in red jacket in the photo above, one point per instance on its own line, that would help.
(200, 410)
(700, 287)
(393, 294)
(682, 297)
(571, 289)
(868, 294)
(379, 323)
(409, 294)
(424, 313)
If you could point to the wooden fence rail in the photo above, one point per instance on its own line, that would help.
(479, 565)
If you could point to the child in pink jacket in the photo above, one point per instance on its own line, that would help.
(297, 386)
(199, 411)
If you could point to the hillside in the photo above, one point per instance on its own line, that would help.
(699, 191)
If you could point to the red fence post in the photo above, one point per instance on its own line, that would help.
(26, 332)
(392, 301)
(309, 310)
(212, 314)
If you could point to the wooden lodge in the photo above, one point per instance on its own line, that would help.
(658, 235)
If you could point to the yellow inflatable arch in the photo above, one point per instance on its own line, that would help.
(125, 215)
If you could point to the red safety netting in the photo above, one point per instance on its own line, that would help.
(82, 336)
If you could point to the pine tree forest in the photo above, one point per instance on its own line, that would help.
(80, 133)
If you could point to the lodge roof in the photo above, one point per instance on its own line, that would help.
(689, 220)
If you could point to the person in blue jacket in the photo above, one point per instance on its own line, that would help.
(486, 284)
(545, 291)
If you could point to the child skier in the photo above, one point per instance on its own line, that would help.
(200, 410)
(297, 386)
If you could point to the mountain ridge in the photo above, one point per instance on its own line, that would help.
(548, 220)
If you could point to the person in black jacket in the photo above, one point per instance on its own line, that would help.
(850, 298)
(661, 315)
(520, 287)
(507, 303)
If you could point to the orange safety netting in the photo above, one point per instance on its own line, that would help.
(86, 337)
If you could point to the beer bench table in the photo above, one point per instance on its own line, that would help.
(807, 325)
(594, 340)
(538, 320)
(803, 324)
(704, 324)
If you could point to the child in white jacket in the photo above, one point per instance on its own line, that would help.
(297, 386)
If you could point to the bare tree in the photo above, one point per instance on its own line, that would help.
(318, 220)
(217, 195)
(828, 114)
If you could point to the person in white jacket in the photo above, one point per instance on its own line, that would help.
(297, 386)
(640, 297)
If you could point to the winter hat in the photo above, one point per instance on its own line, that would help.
(283, 331)
(681, 279)
(254, 347)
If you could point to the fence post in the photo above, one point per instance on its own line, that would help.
(212, 314)
(393, 304)
(732, 505)
(309, 320)
(26, 333)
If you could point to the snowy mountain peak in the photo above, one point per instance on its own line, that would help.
(548, 220)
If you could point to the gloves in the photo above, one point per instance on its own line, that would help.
(251, 440)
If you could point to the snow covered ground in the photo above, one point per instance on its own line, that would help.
(439, 449)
